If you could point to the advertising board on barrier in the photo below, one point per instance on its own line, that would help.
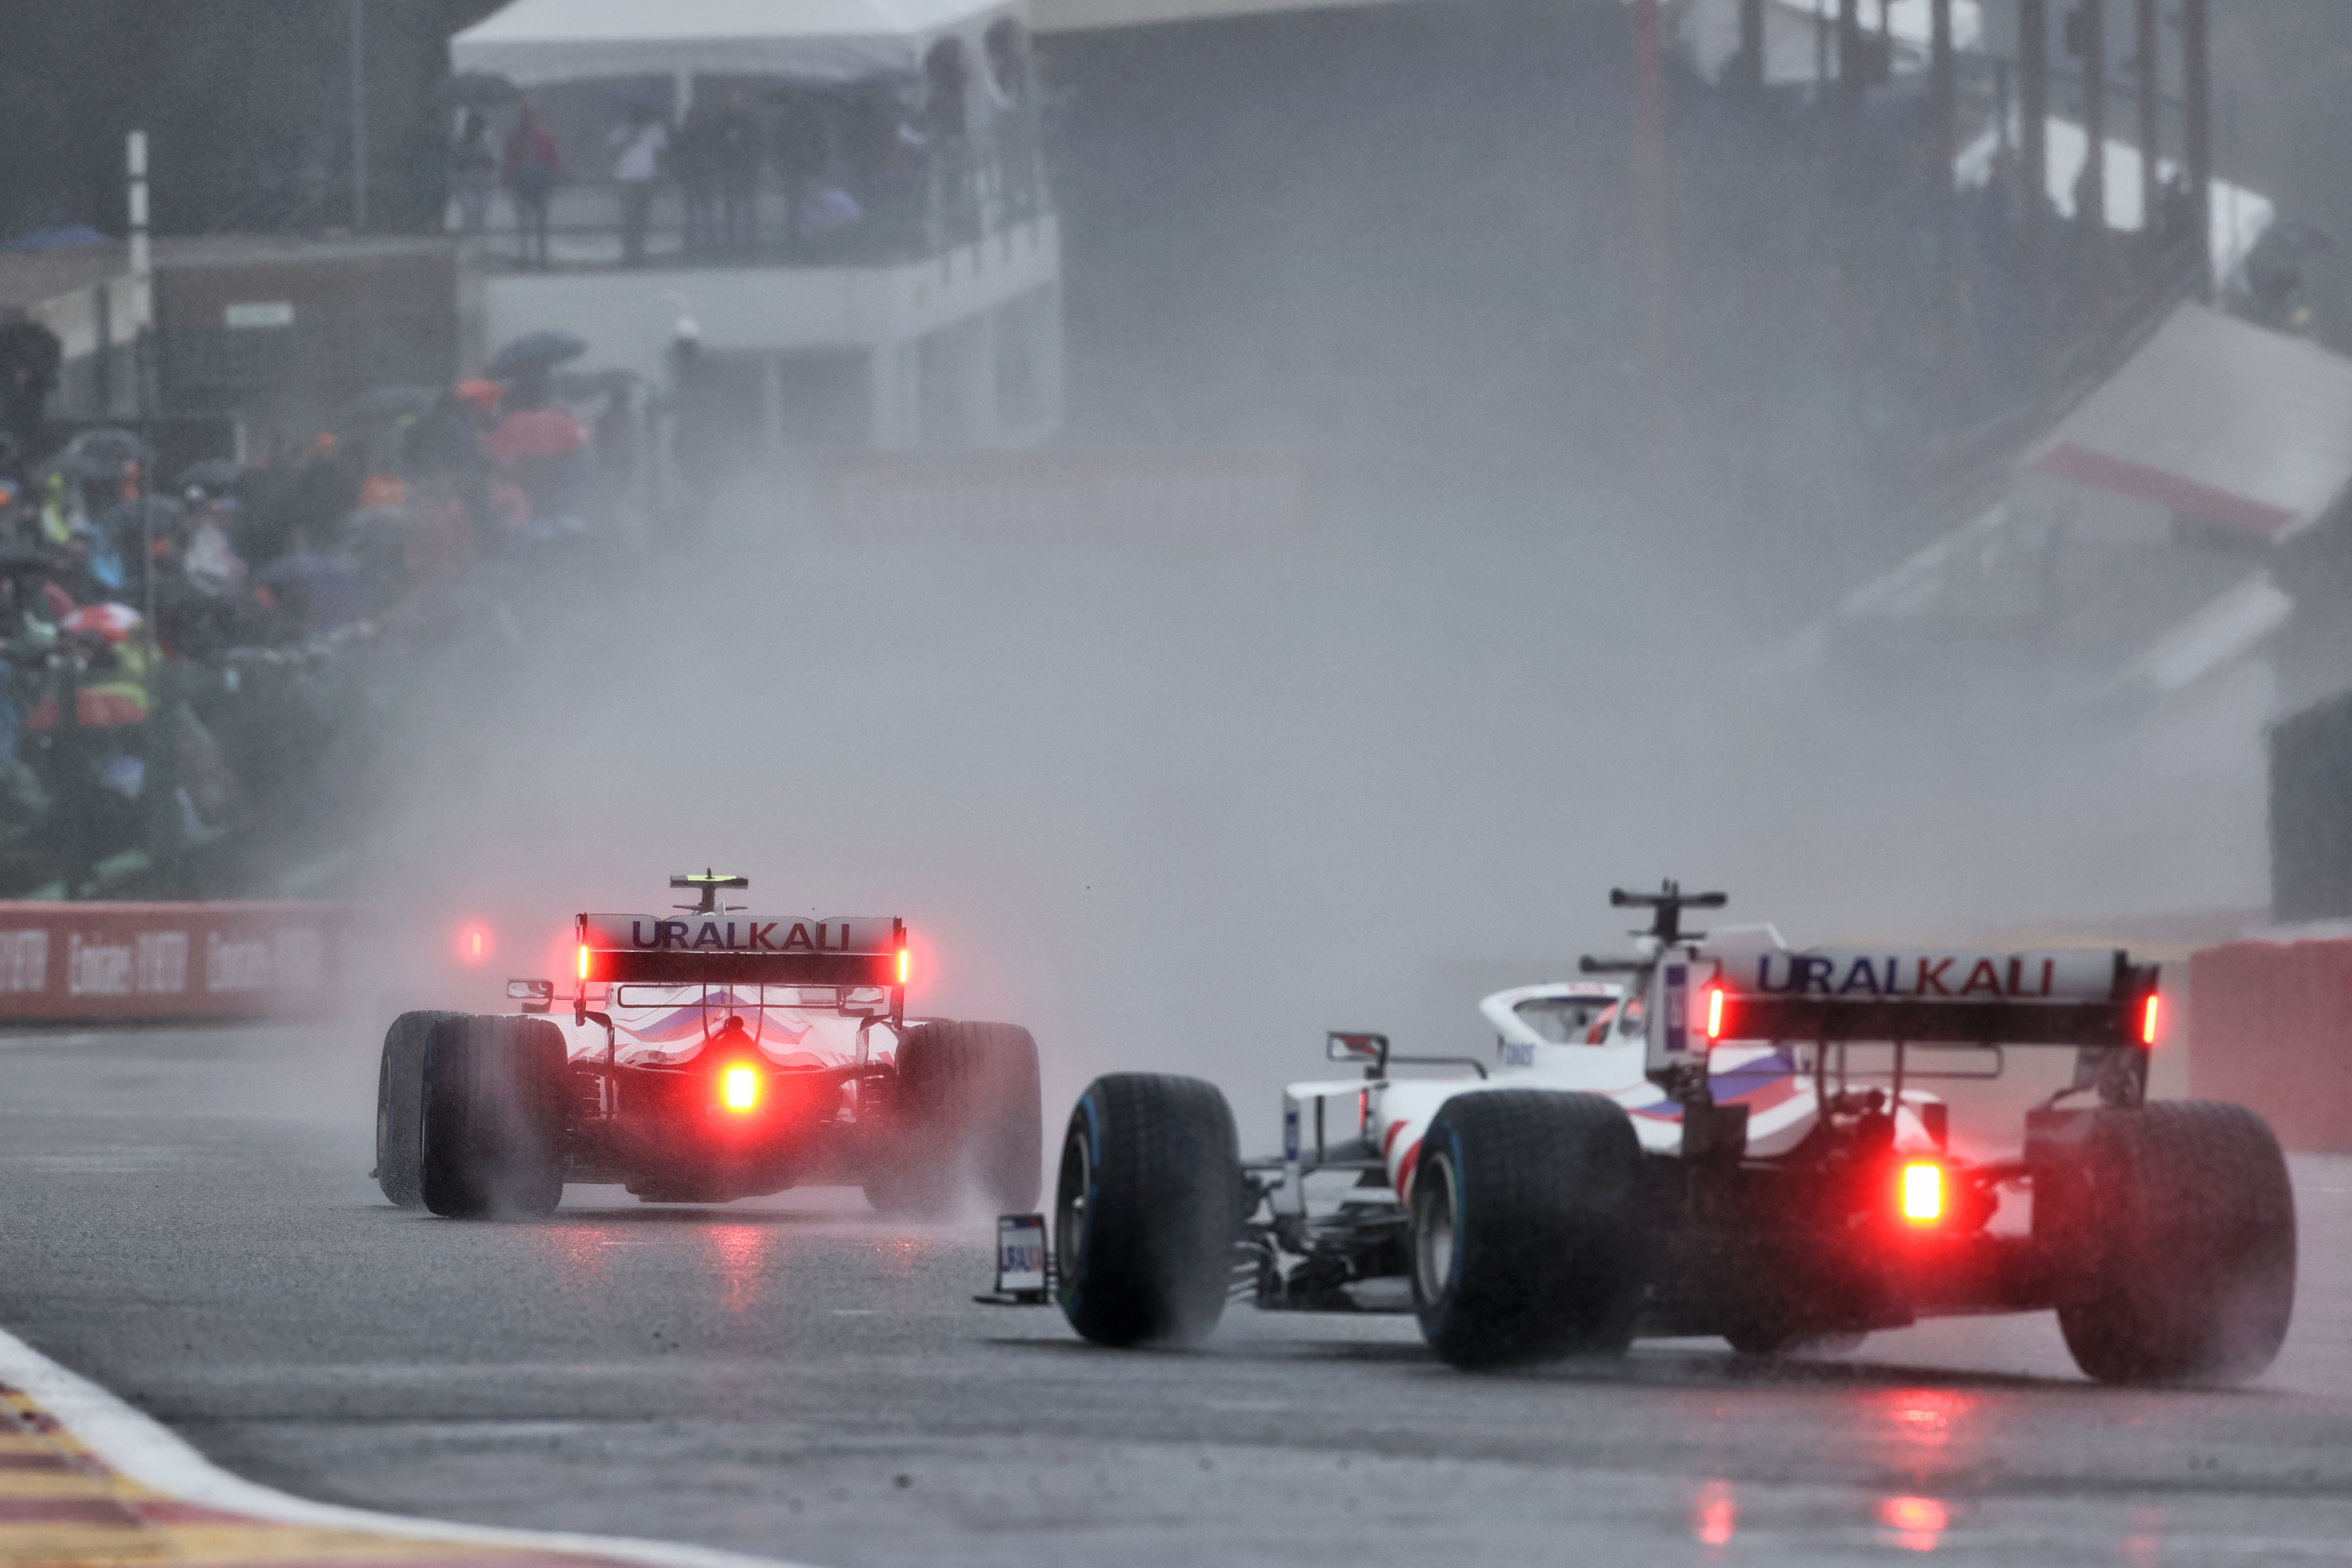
(107, 961)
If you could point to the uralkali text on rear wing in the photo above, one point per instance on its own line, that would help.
(744, 949)
(2085, 998)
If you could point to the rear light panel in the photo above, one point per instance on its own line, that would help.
(1922, 1196)
(2151, 1018)
(742, 1088)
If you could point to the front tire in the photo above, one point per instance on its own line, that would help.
(1525, 1239)
(2175, 1241)
(1147, 1209)
(493, 1117)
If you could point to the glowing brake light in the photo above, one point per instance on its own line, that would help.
(1715, 1011)
(583, 961)
(2150, 1015)
(740, 1087)
(1923, 1191)
(902, 966)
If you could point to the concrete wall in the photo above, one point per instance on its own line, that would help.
(630, 316)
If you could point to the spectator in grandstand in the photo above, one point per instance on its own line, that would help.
(736, 155)
(640, 144)
(803, 144)
(533, 169)
(693, 161)
(473, 172)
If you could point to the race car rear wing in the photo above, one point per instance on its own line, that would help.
(2088, 999)
(736, 949)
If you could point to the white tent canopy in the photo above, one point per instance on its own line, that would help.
(2216, 420)
(536, 42)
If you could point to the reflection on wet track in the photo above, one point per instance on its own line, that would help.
(794, 1377)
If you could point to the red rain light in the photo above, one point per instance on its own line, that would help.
(1715, 1011)
(2150, 1015)
(583, 961)
(740, 1087)
(474, 944)
(903, 966)
(1923, 1191)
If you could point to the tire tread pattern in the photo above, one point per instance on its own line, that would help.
(1163, 1215)
(2178, 1237)
(493, 1117)
(399, 1108)
(1547, 1244)
(970, 1112)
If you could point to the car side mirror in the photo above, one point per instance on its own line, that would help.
(536, 996)
(1372, 1050)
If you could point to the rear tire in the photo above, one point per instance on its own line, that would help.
(400, 1109)
(2174, 1245)
(1527, 1242)
(968, 1114)
(493, 1117)
(1147, 1209)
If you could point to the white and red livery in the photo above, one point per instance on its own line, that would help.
(1728, 1136)
(707, 1053)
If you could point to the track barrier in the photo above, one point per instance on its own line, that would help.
(121, 962)
(2270, 1028)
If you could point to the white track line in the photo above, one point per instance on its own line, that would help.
(142, 1449)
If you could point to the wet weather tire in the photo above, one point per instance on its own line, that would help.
(493, 1117)
(970, 1119)
(1525, 1241)
(400, 1109)
(1146, 1208)
(2175, 1242)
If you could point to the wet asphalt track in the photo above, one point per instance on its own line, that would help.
(795, 1379)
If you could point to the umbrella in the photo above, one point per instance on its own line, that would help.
(109, 446)
(535, 433)
(115, 623)
(586, 383)
(2300, 238)
(212, 474)
(82, 469)
(533, 351)
(478, 90)
(300, 566)
(390, 402)
(99, 456)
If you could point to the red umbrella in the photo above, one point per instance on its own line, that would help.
(115, 623)
(535, 433)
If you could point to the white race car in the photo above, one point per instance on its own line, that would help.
(709, 1054)
(1732, 1141)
